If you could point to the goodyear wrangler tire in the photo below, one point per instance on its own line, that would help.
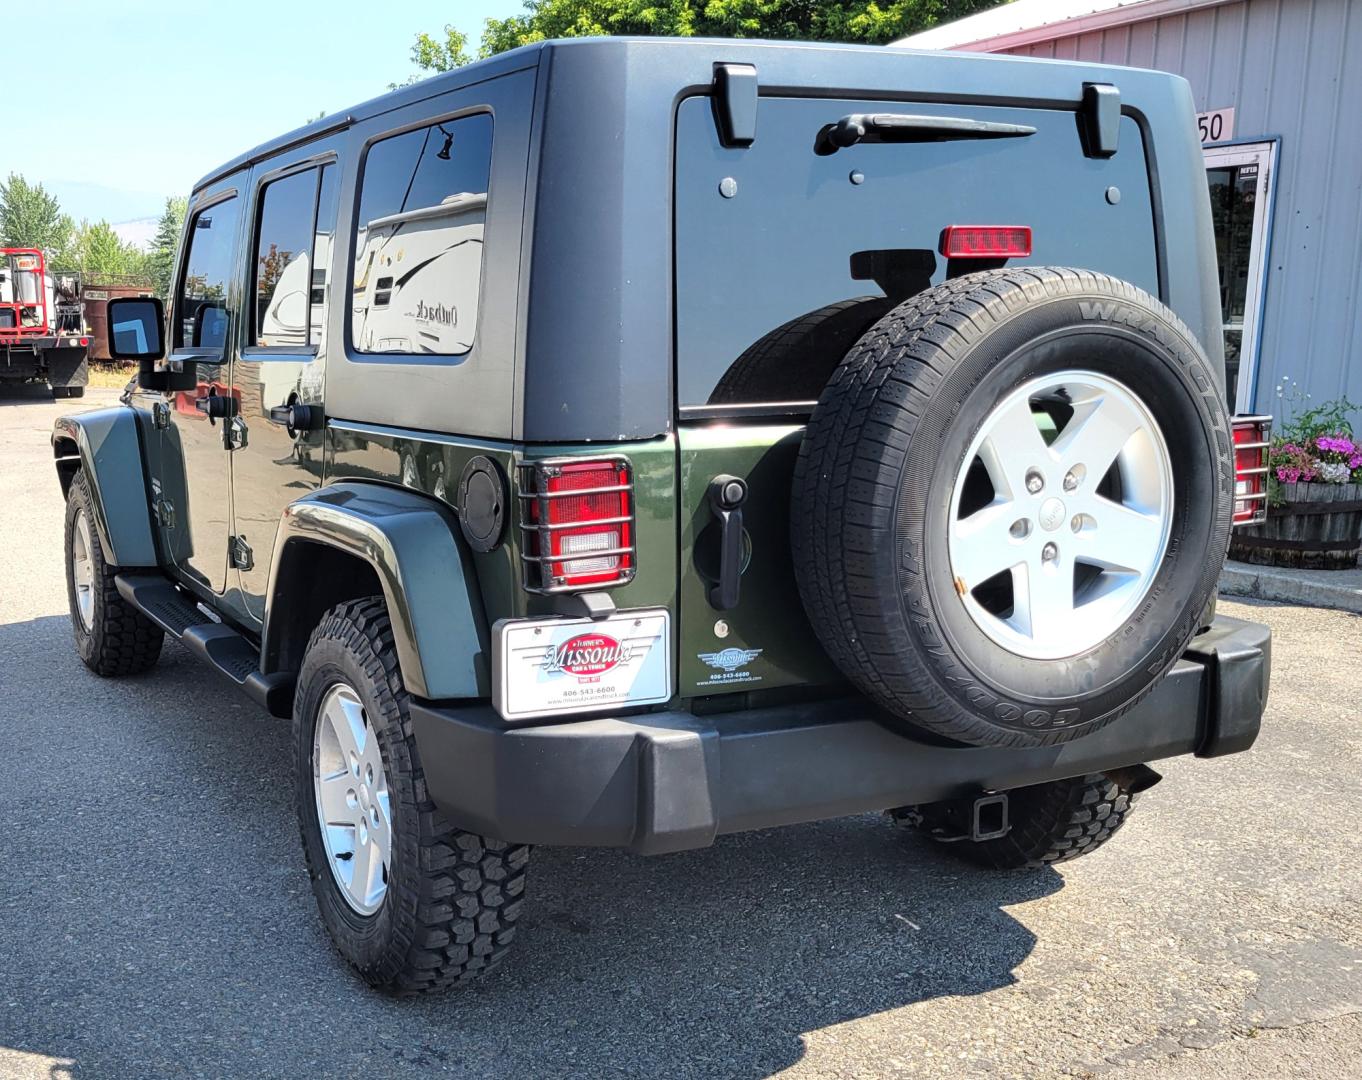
(1012, 503)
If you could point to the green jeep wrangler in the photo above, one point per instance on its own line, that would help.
(627, 442)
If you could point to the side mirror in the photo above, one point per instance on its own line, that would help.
(136, 328)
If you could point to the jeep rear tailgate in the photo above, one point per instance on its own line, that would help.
(785, 256)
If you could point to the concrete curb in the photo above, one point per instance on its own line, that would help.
(1341, 589)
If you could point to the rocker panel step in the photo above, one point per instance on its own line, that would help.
(161, 602)
(217, 644)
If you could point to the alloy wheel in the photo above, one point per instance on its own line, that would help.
(1060, 514)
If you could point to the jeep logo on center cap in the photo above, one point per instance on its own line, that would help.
(1051, 515)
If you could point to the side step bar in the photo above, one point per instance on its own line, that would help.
(223, 648)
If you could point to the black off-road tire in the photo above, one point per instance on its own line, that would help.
(449, 912)
(121, 640)
(1050, 823)
(872, 494)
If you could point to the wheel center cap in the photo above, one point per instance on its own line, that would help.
(1052, 514)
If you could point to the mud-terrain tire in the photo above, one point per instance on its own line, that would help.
(112, 637)
(1051, 823)
(793, 361)
(877, 505)
(449, 899)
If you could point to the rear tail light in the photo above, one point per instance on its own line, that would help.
(577, 518)
(1252, 434)
(986, 241)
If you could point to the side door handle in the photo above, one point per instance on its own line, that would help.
(216, 406)
(297, 417)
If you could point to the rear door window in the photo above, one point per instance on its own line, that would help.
(418, 239)
(784, 257)
(283, 261)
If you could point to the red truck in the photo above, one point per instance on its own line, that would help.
(42, 326)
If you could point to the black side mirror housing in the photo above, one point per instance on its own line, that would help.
(137, 332)
(136, 328)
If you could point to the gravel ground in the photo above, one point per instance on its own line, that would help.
(155, 918)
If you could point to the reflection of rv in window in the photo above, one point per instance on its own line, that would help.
(284, 320)
(417, 276)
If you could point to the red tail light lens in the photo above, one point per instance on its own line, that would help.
(986, 241)
(1252, 434)
(579, 524)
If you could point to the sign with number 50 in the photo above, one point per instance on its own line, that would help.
(1216, 125)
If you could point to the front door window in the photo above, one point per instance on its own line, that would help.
(193, 483)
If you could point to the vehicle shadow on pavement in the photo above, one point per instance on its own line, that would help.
(157, 919)
(27, 394)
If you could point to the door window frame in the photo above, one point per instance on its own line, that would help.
(198, 205)
(1262, 151)
(259, 182)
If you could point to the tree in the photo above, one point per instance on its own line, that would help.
(30, 217)
(868, 22)
(161, 262)
(97, 251)
(432, 55)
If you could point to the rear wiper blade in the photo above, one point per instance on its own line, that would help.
(904, 128)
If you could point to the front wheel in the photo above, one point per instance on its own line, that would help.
(412, 903)
(112, 637)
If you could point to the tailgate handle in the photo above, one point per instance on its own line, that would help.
(726, 496)
(905, 128)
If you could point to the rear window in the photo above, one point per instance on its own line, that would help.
(418, 239)
(785, 257)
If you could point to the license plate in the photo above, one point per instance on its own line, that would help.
(548, 667)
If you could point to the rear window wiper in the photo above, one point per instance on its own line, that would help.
(905, 128)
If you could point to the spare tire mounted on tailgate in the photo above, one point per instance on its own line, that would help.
(1012, 504)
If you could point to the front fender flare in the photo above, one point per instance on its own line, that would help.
(108, 449)
(411, 542)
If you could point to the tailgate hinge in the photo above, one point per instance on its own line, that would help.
(735, 103)
(1100, 119)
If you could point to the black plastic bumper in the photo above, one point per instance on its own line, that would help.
(671, 781)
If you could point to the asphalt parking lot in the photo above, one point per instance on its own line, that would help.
(156, 920)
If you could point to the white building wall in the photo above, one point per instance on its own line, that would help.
(1290, 68)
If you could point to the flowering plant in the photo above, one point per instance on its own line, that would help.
(1313, 445)
(1327, 459)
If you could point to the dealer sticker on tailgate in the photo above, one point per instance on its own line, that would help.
(547, 667)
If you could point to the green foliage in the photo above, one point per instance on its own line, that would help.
(1298, 421)
(161, 262)
(430, 54)
(433, 55)
(97, 252)
(870, 22)
(30, 217)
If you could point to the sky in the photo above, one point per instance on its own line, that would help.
(146, 96)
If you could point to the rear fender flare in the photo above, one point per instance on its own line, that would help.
(411, 542)
(105, 444)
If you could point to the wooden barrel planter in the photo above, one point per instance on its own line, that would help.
(1318, 527)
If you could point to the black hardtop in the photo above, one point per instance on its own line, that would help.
(794, 66)
(595, 335)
